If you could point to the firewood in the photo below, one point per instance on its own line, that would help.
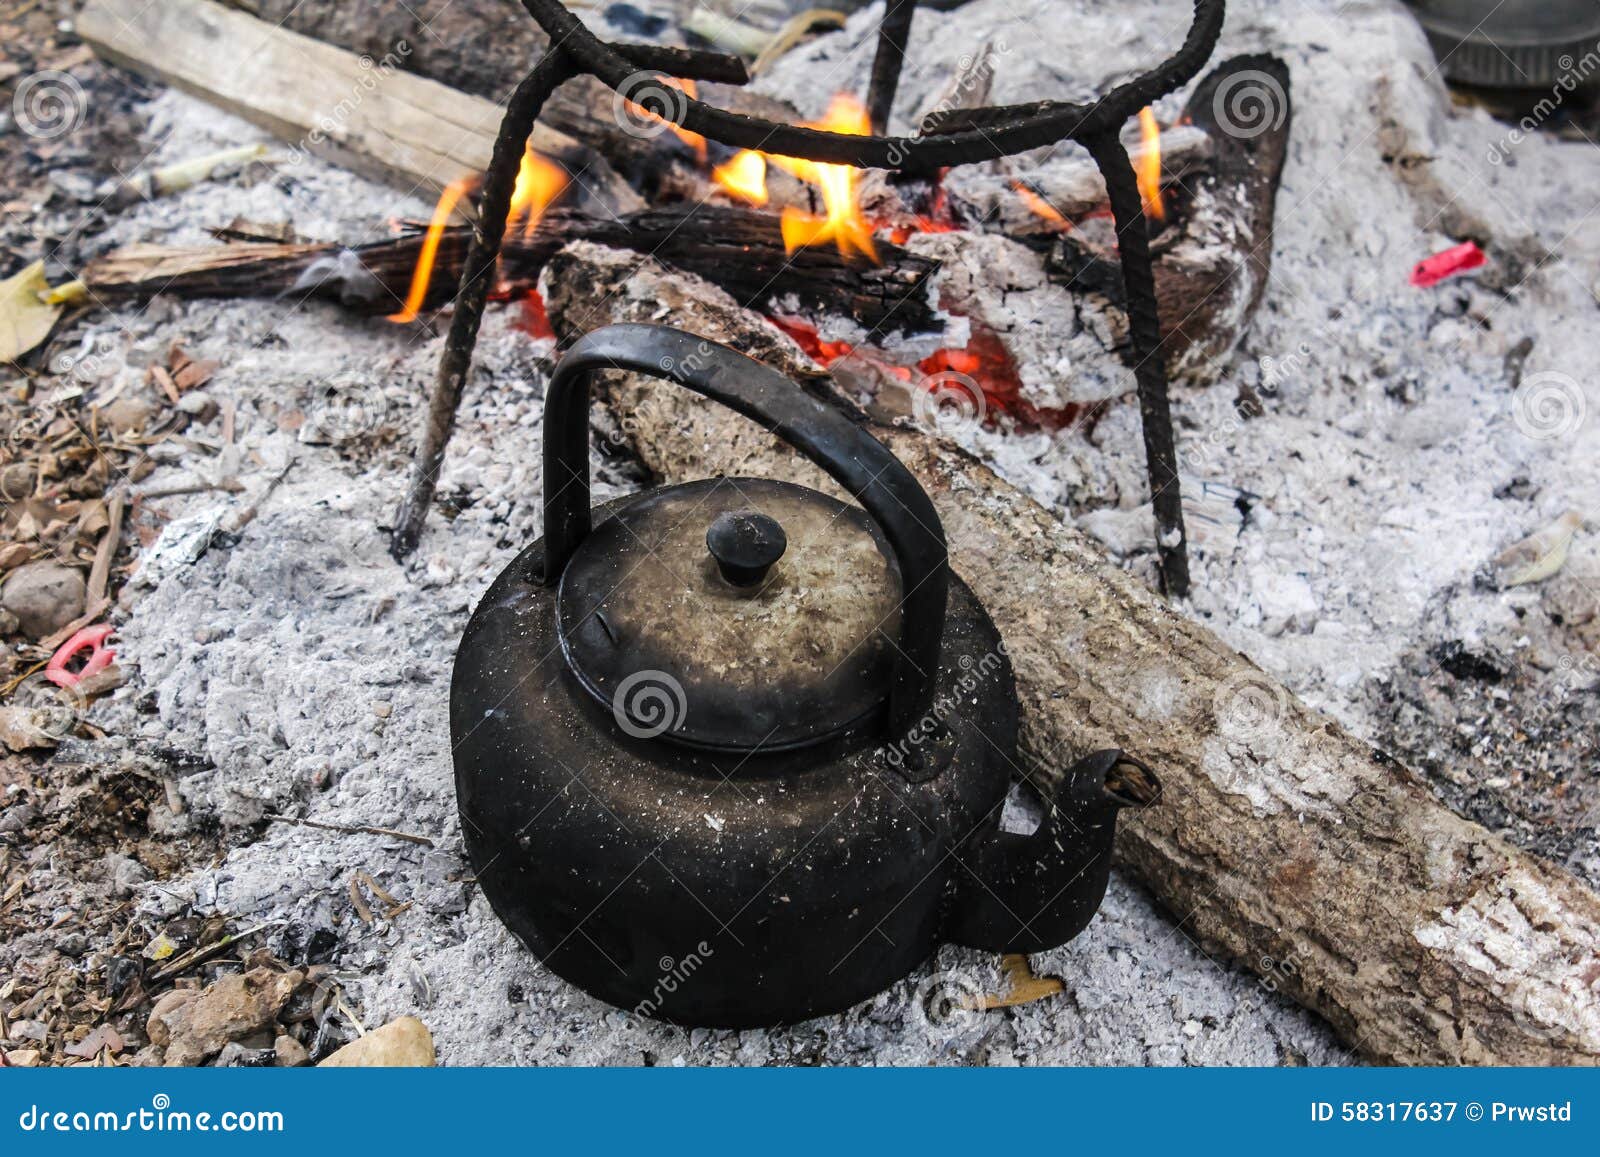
(369, 113)
(1213, 264)
(484, 47)
(739, 249)
(1281, 840)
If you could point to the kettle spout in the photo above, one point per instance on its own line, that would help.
(1031, 893)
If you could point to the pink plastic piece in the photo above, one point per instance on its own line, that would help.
(90, 638)
(1431, 270)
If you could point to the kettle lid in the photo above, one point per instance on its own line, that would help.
(733, 614)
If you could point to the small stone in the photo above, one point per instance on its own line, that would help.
(400, 1044)
(1287, 601)
(124, 872)
(121, 971)
(290, 1053)
(33, 728)
(17, 818)
(1191, 1028)
(197, 405)
(13, 555)
(128, 414)
(23, 1058)
(237, 1056)
(382, 708)
(16, 481)
(232, 1007)
(45, 596)
(165, 1005)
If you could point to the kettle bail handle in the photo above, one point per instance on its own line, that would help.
(850, 455)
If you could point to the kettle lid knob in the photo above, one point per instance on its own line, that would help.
(745, 544)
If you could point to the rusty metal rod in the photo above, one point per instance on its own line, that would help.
(893, 34)
(1149, 368)
(494, 206)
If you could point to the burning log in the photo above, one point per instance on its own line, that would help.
(1212, 266)
(740, 250)
(1281, 840)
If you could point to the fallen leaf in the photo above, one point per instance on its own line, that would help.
(25, 318)
(1540, 555)
(103, 1037)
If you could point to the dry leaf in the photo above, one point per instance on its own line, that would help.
(25, 318)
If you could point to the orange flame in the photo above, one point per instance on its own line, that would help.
(744, 177)
(539, 182)
(1039, 206)
(423, 273)
(1148, 168)
(842, 222)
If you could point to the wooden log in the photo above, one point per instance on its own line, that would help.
(366, 112)
(739, 249)
(1281, 840)
(1212, 265)
(484, 47)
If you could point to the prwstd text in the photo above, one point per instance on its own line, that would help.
(1495, 1112)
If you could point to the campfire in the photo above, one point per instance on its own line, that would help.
(226, 701)
(864, 274)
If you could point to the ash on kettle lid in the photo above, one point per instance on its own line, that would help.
(735, 614)
(732, 614)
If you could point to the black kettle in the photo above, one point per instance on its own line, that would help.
(734, 753)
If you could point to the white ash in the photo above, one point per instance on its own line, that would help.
(313, 673)
(299, 655)
(1339, 538)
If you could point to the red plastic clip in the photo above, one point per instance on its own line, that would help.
(1431, 270)
(92, 639)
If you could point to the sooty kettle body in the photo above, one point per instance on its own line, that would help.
(734, 752)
